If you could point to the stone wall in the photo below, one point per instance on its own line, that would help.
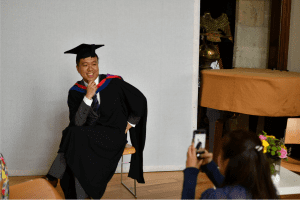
(252, 34)
(294, 43)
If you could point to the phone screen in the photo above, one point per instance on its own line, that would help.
(199, 138)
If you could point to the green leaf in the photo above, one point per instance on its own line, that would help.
(274, 148)
(268, 150)
(279, 153)
(272, 169)
(272, 153)
(279, 148)
(268, 147)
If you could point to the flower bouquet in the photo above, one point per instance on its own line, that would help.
(275, 150)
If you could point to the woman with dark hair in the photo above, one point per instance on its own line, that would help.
(244, 171)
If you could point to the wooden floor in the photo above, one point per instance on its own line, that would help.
(159, 185)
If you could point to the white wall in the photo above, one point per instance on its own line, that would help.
(149, 43)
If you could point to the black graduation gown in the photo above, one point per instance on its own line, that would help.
(92, 153)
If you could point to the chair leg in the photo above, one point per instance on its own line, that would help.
(217, 139)
(122, 169)
(133, 193)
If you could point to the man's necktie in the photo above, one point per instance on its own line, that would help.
(95, 103)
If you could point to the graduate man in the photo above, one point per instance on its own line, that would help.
(102, 108)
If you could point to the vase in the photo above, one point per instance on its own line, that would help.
(274, 163)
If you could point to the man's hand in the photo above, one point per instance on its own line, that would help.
(128, 127)
(193, 161)
(91, 90)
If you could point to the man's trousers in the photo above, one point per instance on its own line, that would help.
(58, 169)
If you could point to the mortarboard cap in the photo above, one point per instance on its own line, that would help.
(84, 50)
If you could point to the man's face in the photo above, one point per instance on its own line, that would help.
(88, 68)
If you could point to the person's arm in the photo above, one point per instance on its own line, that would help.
(80, 111)
(189, 183)
(91, 118)
(82, 118)
(213, 173)
(191, 172)
(135, 102)
(211, 194)
(133, 120)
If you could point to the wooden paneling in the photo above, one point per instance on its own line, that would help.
(279, 34)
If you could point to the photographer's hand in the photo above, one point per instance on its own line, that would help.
(193, 161)
(206, 157)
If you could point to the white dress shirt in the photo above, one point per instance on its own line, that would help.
(90, 101)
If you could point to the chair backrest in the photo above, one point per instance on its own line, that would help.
(292, 133)
(38, 188)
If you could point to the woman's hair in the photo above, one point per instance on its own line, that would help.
(247, 166)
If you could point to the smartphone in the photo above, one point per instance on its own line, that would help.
(199, 139)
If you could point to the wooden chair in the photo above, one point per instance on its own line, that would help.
(128, 151)
(292, 136)
(35, 189)
(292, 132)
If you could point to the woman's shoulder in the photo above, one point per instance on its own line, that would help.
(227, 192)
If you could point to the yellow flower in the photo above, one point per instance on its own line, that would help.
(282, 146)
(3, 175)
(271, 136)
(265, 144)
